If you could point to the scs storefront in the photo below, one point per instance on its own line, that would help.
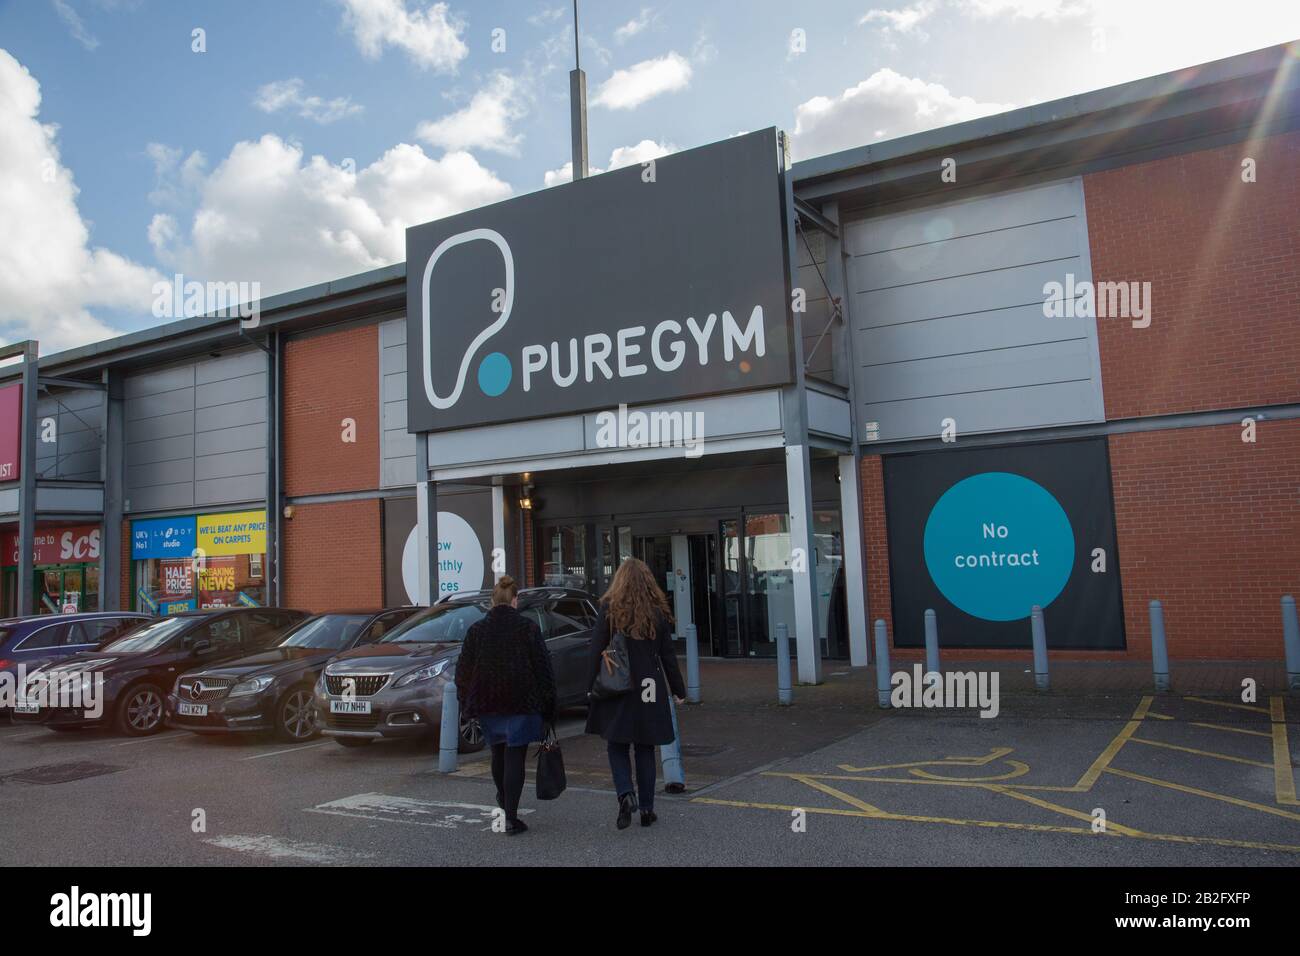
(66, 569)
(192, 562)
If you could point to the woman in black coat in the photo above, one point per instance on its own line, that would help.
(635, 607)
(504, 678)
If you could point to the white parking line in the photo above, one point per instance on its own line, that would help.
(146, 740)
(291, 750)
(443, 814)
(277, 849)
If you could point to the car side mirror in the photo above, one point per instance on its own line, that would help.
(201, 646)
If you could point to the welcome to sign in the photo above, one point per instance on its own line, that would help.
(648, 283)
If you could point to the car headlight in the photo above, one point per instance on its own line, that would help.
(254, 686)
(428, 672)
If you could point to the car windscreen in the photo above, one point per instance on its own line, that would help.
(441, 624)
(326, 632)
(149, 637)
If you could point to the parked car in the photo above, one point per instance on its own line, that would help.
(41, 638)
(272, 689)
(394, 687)
(137, 667)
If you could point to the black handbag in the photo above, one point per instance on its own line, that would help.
(550, 767)
(614, 676)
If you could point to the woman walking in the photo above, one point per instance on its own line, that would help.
(504, 679)
(635, 608)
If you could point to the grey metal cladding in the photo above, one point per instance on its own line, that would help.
(947, 313)
(397, 445)
(817, 353)
(196, 433)
(77, 446)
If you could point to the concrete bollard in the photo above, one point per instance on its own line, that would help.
(449, 730)
(783, 695)
(1291, 637)
(931, 642)
(883, 685)
(671, 754)
(1039, 634)
(692, 665)
(1159, 647)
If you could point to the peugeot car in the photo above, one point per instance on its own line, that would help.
(272, 690)
(394, 687)
(39, 639)
(123, 683)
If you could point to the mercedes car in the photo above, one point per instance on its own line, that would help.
(123, 683)
(272, 689)
(394, 687)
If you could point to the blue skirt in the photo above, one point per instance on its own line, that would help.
(513, 730)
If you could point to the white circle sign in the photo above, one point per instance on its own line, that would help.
(460, 558)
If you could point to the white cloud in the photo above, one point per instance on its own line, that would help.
(634, 26)
(428, 36)
(883, 106)
(288, 94)
(76, 26)
(484, 123)
(905, 21)
(543, 17)
(642, 152)
(177, 176)
(629, 88)
(268, 214)
(50, 275)
(1029, 9)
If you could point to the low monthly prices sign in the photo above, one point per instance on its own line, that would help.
(983, 535)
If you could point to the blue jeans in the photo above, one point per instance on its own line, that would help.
(620, 764)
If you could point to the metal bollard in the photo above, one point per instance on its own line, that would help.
(1039, 633)
(783, 695)
(449, 730)
(1291, 637)
(1159, 647)
(931, 642)
(692, 666)
(883, 685)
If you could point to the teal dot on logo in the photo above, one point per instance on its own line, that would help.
(494, 374)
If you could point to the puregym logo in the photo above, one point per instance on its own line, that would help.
(626, 353)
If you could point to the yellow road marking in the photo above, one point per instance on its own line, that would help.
(1283, 777)
(1106, 756)
(1151, 713)
(1018, 769)
(1000, 824)
(1200, 753)
(988, 758)
(1227, 703)
(839, 795)
(1234, 730)
(1209, 795)
(1111, 826)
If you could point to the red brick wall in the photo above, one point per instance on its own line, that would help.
(333, 556)
(328, 378)
(1221, 257)
(124, 591)
(1208, 525)
(877, 541)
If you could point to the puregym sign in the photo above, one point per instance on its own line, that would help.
(646, 284)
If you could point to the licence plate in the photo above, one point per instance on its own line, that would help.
(24, 706)
(349, 707)
(186, 709)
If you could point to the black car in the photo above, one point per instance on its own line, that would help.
(124, 682)
(272, 690)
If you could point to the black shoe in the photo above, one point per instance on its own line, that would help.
(675, 788)
(516, 827)
(648, 817)
(626, 807)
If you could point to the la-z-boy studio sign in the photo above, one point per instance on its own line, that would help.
(639, 285)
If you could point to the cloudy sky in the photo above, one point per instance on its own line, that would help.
(307, 135)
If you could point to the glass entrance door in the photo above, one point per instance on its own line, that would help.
(58, 587)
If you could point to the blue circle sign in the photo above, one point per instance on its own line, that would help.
(494, 374)
(996, 544)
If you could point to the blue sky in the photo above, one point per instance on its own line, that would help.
(130, 156)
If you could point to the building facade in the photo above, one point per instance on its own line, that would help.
(1050, 357)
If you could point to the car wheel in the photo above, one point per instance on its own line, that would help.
(141, 711)
(295, 715)
(353, 741)
(471, 736)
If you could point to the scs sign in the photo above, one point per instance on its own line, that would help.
(74, 545)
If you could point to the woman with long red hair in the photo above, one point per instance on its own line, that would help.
(634, 616)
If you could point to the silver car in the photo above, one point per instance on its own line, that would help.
(394, 687)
